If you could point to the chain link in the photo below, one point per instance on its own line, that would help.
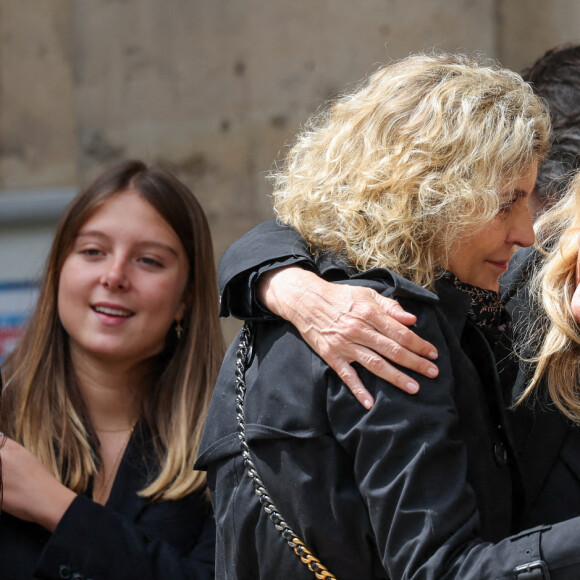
(297, 545)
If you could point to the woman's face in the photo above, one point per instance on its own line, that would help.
(122, 285)
(480, 259)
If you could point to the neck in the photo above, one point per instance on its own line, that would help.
(112, 393)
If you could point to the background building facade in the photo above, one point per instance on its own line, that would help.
(211, 89)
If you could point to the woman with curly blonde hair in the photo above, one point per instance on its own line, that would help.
(414, 185)
(406, 180)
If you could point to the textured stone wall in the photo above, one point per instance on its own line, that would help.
(37, 94)
(214, 89)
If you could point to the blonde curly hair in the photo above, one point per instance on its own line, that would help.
(391, 174)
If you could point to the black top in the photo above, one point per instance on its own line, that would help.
(130, 537)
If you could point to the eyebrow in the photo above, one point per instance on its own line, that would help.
(146, 243)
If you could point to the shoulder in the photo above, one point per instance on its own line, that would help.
(390, 284)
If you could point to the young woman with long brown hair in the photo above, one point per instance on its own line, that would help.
(104, 399)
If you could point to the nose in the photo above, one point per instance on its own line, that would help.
(521, 229)
(115, 276)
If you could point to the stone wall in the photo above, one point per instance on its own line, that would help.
(214, 89)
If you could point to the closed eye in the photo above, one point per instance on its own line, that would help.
(513, 198)
(507, 205)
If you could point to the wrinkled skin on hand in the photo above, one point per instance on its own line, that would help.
(345, 324)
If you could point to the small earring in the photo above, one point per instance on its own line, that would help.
(178, 329)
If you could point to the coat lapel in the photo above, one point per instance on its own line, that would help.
(132, 475)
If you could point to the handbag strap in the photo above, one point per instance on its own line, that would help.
(293, 541)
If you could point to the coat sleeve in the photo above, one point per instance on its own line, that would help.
(410, 467)
(93, 542)
(266, 247)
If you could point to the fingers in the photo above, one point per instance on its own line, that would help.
(346, 324)
(382, 337)
(394, 309)
(349, 377)
(400, 349)
(392, 321)
(376, 365)
(339, 353)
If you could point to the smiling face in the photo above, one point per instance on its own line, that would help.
(480, 259)
(122, 285)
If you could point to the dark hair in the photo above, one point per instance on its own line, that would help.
(555, 76)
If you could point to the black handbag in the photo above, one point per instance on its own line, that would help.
(293, 541)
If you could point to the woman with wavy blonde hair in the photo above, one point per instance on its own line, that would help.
(408, 180)
(414, 185)
(551, 341)
(105, 397)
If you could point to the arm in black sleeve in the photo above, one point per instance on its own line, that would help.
(410, 468)
(266, 247)
(98, 543)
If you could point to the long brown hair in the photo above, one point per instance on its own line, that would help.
(41, 403)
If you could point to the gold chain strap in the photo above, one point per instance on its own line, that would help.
(297, 545)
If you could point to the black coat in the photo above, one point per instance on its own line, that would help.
(128, 538)
(547, 444)
(271, 246)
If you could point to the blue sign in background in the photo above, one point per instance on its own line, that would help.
(17, 299)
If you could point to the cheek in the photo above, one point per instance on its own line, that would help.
(168, 297)
(64, 289)
(66, 295)
(73, 288)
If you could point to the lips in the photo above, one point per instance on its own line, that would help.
(499, 263)
(112, 310)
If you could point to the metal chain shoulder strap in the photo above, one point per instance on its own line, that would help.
(293, 541)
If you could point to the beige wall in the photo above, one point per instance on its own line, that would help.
(215, 88)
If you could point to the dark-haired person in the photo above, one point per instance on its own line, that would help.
(105, 397)
(555, 76)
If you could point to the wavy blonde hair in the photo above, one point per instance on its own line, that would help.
(551, 341)
(391, 174)
(41, 405)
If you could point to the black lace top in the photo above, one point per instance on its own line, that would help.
(487, 309)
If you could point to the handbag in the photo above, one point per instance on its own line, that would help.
(289, 536)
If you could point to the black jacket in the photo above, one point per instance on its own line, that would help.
(547, 444)
(445, 461)
(128, 538)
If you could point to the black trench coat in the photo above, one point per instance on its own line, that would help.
(422, 487)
